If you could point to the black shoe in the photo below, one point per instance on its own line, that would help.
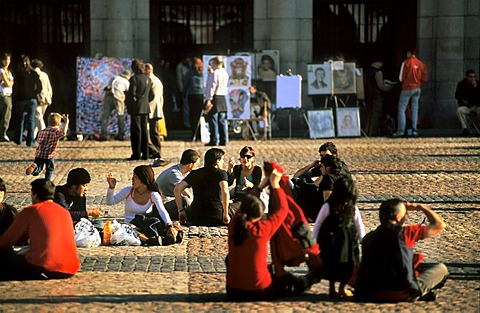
(465, 132)
(210, 144)
(132, 158)
(159, 162)
(154, 155)
(120, 138)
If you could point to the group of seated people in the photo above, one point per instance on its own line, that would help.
(324, 192)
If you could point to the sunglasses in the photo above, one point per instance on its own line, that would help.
(247, 156)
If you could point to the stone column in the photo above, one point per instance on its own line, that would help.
(120, 28)
(286, 26)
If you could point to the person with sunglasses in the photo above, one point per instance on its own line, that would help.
(247, 175)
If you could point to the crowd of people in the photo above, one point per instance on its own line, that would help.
(379, 266)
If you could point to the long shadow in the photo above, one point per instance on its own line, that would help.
(181, 297)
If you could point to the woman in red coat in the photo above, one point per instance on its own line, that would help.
(248, 275)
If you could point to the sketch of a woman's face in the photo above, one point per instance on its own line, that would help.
(347, 121)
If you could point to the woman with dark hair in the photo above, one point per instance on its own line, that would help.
(339, 229)
(7, 212)
(266, 69)
(140, 198)
(27, 87)
(248, 274)
(210, 192)
(246, 175)
(138, 98)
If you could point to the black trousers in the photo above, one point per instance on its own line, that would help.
(14, 266)
(139, 136)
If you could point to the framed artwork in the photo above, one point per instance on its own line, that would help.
(321, 123)
(253, 72)
(348, 122)
(93, 75)
(238, 103)
(319, 79)
(289, 91)
(268, 65)
(239, 71)
(344, 81)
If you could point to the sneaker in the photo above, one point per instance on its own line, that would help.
(31, 169)
(4, 138)
(159, 162)
(415, 134)
(398, 134)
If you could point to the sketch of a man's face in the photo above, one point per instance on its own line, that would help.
(320, 74)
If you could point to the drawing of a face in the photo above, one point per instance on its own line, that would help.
(238, 99)
(239, 68)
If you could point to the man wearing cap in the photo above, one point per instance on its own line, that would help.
(72, 195)
(115, 99)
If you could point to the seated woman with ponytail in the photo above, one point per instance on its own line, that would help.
(248, 275)
(142, 198)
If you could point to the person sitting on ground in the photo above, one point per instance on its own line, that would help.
(248, 274)
(390, 270)
(210, 192)
(7, 211)
(247, 175)
(72, 195)
(468, 97)
(49, 228)
(310, 197)
(169, 178)
(338, 230)
(144, 207)
(47, 145)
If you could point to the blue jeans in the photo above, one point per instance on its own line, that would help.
(218, 128)
(26, 108)
(405, 97)
(49, 167)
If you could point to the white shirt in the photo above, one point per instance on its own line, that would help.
(325, 212)
(5, 90)
(217, 84)
(132, 208)
(120, 86)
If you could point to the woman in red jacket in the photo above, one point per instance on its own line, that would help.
(248, 275)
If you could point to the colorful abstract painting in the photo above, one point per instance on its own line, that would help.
(93, 75)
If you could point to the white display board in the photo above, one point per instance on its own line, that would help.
(289, 91)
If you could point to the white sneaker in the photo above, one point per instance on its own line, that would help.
(398, 134)
(5, 138)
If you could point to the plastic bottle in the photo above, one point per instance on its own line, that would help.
(107, 233)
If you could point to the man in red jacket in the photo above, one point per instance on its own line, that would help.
(49, 228)
(413, 74)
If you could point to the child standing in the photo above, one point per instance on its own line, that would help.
(339, 229)
(47, 145)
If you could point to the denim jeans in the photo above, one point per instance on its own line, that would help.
(49, 167)
(26, 108)
(405, 97)
(218, 128)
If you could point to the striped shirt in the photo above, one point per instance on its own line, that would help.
(48, 142)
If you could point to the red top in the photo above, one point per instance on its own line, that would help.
(412, 234)
(52, 241)
(247, 263)
(413, 73)
(48, 142)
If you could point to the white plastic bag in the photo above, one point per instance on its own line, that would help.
(124, 235)
(86, 235)
(204, 130)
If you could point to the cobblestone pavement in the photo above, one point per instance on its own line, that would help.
(442, 172)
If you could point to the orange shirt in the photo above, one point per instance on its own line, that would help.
(413, 73)
(52, 240)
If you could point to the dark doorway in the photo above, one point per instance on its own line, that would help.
(54, 31)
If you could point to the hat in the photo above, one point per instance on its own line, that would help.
(126, 74)
(78, 176)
